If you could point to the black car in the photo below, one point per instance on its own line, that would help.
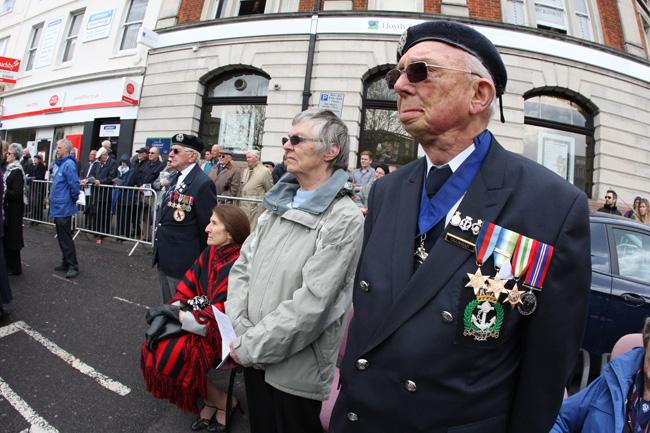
(620, 287)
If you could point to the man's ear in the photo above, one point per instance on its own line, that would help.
(334, 151)
(484, 94)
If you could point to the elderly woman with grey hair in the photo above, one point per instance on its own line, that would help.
(291, 287)
(14, 207)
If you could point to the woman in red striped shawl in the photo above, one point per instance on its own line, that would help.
(176, 367)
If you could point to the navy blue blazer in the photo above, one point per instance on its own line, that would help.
(418, 372)
(178, 244)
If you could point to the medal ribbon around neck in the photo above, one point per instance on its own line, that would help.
(504, 248)
(540, 259)
(434, 209)
(486, 241)
(522, 257)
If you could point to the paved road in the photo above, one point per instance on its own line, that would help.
(98, 319)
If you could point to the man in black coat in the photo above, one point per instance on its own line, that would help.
(183, 214)
(437, 342)
(105, 172)
(146, 174)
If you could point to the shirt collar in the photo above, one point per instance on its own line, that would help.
(455, 162)
(185, 172)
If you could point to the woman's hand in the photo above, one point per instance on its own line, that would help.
(233, 354)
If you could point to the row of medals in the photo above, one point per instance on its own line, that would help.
(490, 288)
(181, 208)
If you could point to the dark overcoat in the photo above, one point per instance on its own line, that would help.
(408, 367)
(178, 243)
(14, 208)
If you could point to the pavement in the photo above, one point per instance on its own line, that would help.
(70, 349)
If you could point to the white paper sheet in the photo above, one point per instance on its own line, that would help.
(227, 334)
(81, 201)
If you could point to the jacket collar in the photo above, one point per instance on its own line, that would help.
(619, 375)
(64, 159)
(278, 199)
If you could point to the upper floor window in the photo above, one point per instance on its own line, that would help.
(644, 14)
(251, 7)
(33, 46)
(558, 133)
(396, 5)
(572, 17)
(132, 23)
(4, 42)
(73, 33)
(7, 6)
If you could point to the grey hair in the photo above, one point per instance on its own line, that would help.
(66, 143)
(196, 153)
(106, 143)
(16, 149)
(475, 66)
(254, 152)
(328, 128)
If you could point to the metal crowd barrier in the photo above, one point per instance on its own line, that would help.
(121, 212)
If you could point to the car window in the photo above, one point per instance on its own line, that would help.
(633, 251)
(599, 248)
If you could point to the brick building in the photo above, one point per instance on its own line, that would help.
(237, 71)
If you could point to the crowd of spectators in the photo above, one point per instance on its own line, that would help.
(638, 212)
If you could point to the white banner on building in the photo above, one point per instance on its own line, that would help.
(109, 130)
(49, 42)
(98, 25)
(332, 101)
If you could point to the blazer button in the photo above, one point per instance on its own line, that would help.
(447, 316)
(352, 417)
(364, 286)
(362, 364)
(410, 386)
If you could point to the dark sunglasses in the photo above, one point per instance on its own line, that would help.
(175, 150)
(152, 153)
(296, 139)
(416, 72)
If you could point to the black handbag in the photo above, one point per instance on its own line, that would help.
(162, 327)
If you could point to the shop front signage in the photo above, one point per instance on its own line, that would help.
(98, 25)
(130, 91)
(109, 130)
(9, 69)
(163, 144)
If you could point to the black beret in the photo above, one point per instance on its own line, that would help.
(142, 149)
(460, 36)
(187, 140)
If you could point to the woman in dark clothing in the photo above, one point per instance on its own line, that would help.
(37, 189)
(5, 290)
(14, 207)
(175, 368)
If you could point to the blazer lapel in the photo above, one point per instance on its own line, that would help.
(406, 228)
(484, 199)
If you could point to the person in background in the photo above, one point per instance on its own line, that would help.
(106, 172)
(123, 203)
(5, 288)
(14, 208)
(365, 174)
(610, 203)
(270, 165)
(256, 180)
(291, 288)
(227, 179)
(198, 348)
(38, 190)
(215, 153)
(87, 172)
(27, 163)
(617, 401)
(63, 199)
(361, 198)
(162, 183)
(140, 157)
(206, 165)
(280, 169)
(145, 176)
(643, 211)
(631, 212)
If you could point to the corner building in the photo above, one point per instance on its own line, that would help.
(236, 72)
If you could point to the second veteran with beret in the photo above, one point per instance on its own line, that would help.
(183, 214)
(471, 322)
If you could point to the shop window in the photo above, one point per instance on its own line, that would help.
(76, 19)
(558, 133)
(4, 42)
(572, 17)
(132, 23)
(396, 5)
(33, 46)
(234, 110)
(381, 131)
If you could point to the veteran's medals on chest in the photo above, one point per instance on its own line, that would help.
(181, 203)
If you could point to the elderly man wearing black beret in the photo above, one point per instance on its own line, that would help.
(183, 214)
(472, 320)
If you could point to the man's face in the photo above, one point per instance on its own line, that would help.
(365, 161)
(251, 160)
(224, 159)
(104, 157)
(303, 157)
(92, 156)
(609, 199)
(25, 152)
(440, 104)
(215, 152)
(142, 155)
(153, 154)
(60, 151)
(180, 157)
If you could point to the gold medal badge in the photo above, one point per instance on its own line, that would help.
(179, 215)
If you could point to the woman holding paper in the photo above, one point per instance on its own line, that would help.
(175, 365)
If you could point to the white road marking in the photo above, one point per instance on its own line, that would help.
(38, 424)
(70, 359)
(130, 302)
(64, 279)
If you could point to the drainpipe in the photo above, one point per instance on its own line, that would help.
(306, 92)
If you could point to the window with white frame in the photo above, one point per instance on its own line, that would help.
(644, 14)
(4, 42)
(251, 7)
(7, 6)
(73, 33)
(132, 23)
(396, 5)
(34, 39)
(571, 17)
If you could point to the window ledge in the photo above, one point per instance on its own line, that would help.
(65, 65)
(124, 53)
